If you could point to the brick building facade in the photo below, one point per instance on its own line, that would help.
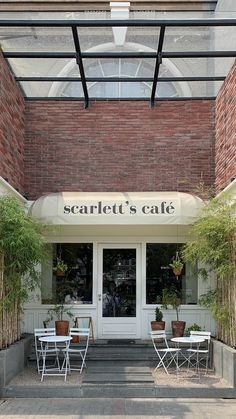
(101, 155)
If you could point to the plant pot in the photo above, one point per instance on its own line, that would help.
(59, 272)
(62, 327)
(155, 325)
(177, 328)
(75, 339)
(177, 271)
(158, 325)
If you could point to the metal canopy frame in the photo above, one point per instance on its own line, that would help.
(79, 56)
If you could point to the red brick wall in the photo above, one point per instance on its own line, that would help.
(118, 146)
(226, 131)
(11, 129)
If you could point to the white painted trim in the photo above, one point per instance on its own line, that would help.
(231, 188)
(120, 323)
(6, 188)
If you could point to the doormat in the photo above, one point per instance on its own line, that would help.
(121, 341)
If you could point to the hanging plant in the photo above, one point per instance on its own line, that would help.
(177, 265)
(60, 268)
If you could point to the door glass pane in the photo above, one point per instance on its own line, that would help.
(119, 283)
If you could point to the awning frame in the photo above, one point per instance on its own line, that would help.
(158, 55)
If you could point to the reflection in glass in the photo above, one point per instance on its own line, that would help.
(119, 283)
(159, 274)
(74, 285)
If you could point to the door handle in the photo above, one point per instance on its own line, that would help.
(99, 297)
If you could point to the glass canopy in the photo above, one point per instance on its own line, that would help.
(91, 56)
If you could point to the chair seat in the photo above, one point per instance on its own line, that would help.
(200, 351)
(72, 350)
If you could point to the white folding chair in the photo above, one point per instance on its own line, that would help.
(81, 350)
(166, 354)
(52, 351)
(200, 356)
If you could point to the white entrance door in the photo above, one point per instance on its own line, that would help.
(119, 293)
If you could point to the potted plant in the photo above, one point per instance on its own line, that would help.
(173, 297)
(177, 266)
(57, 312)
(60, 268)
(194, 327)
(158, 324)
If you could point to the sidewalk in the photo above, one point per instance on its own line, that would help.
(117, 408)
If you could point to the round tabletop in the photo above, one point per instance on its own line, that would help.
(55, 338)
(188, 339)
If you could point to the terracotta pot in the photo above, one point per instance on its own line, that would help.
(62, 327)
(75, 339)
(177, 271)
(158, 326)
(177, 328)
(60, 273)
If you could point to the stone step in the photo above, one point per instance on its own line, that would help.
(114, 378)
(118, 374)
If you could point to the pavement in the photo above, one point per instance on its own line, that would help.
(117, 408)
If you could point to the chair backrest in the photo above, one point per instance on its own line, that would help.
(159, 335)
(82, 332)
(38, 333)
(79, 331)
(202, 334)
(49, 331)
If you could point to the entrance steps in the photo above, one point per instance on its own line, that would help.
(115, 369)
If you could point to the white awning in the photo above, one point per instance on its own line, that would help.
(94, 208)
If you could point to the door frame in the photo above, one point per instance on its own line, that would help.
(114, 321)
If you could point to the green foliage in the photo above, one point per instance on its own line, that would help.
(172, 297)
(194, 327)
(219, 310)
(158, 314)
(57, 313)
(60, 266)
(214, 234)
(176, 264)
(22, 246)
(214, 247)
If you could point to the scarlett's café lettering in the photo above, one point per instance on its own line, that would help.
(121, 208)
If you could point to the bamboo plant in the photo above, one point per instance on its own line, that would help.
(21, 250)
(214, 246)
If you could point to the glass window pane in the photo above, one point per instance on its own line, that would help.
(36, 39)
(143, 37)
(159, 275)
(188, 89)
(52, 89)
(197, 38)
(118, 67)
(120, 90)
(75, 284)
(181, 67)
(92, 37)
(44, 67)
(119, 283)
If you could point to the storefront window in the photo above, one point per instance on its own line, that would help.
(159, 274)
(73, 284)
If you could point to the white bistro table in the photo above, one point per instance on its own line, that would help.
(191, 340)
(46, 350)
